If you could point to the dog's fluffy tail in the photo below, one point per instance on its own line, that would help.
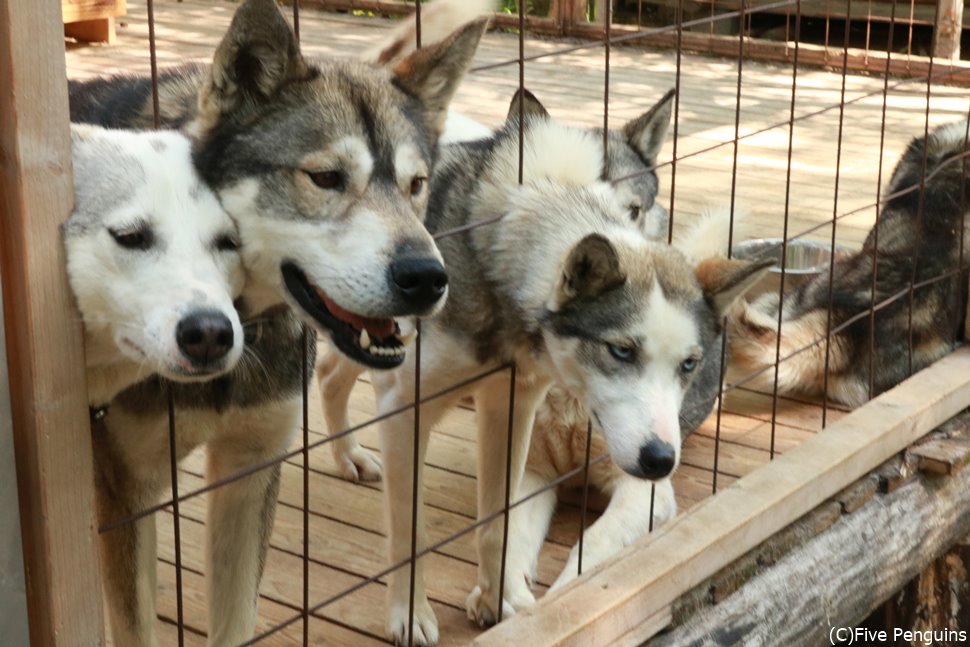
(438, 20)
(709, 236)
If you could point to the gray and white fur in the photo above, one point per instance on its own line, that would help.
(323, 167)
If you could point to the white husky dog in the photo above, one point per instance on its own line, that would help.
(153, 263)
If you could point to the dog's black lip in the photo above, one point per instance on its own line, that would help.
(343, 335)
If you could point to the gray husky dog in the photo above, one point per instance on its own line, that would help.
(561, 284)
(154, 265)
(324, 169)
(633, 152)
(919, 236)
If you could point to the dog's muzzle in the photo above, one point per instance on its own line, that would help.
(657, 459)
(205, 337)
(419, 283)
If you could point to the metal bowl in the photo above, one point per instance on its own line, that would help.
(803, 261)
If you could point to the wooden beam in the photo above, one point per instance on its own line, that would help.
(949, 27)
(950, 72)
(943, 456)
(52, 438)
(607, 603)
(99, 30)
(843, 574)
(77, 10)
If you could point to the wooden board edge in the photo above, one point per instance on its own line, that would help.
(52, 437)
(649, 575)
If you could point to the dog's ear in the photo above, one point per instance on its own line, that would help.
(724, 280)
(526, 104)
(647, 132)
(591, 268)
(258, 55)
(433, 73)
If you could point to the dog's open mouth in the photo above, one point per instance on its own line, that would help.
(377, 343)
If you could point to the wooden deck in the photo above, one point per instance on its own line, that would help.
(346, 522)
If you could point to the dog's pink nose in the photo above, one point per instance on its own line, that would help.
(205, 336)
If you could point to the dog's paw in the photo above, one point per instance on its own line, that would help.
(482, 608)
(360, 464)
(425, 624)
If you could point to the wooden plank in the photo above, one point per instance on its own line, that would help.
(99, 30)
(943, 456)
(953, 72)
(841, 576)
(52, 438)
(635, 584)
(948, 29)
(78, 10)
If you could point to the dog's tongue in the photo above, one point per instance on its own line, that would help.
(375, 327)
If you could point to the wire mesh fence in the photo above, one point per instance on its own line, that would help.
(809, 154)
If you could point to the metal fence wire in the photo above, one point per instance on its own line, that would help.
(873, 36)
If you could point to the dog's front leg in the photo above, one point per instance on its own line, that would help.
(492, 406)
(397, 445)
(240, 518)
(626, 519)
(337, 376)
(128, 553)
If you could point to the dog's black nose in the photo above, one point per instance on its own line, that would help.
(205, 336)
(657, 459)
(419, 281)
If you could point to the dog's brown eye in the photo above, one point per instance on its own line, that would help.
(417, 186)
(634, 212)
(141, 239)
(329, 180)
(227, 243)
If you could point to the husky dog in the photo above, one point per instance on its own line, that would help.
(324, 168)
(323, 165)
(919, 236)
(562, 285)
(633, 152)
(154, 266)
(561, 430)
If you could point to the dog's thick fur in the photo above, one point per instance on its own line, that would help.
(633, 152)
(152, 260)
(559, 440)
(323, 166)
(567, 287)
(924, 227)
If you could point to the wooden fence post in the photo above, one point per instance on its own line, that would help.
(949, 26)
(52, 438)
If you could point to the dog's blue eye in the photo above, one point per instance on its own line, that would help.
(688, 365)
(141, 239)
(330, 180)
(634, 212)
(622, 353)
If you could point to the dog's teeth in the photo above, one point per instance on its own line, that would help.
(408, 337)
(364, 339)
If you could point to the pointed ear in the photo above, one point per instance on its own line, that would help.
(647, 132)
(528, 104)
(724, 280)
(257, 56)
(433, 73)
(591, 268)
